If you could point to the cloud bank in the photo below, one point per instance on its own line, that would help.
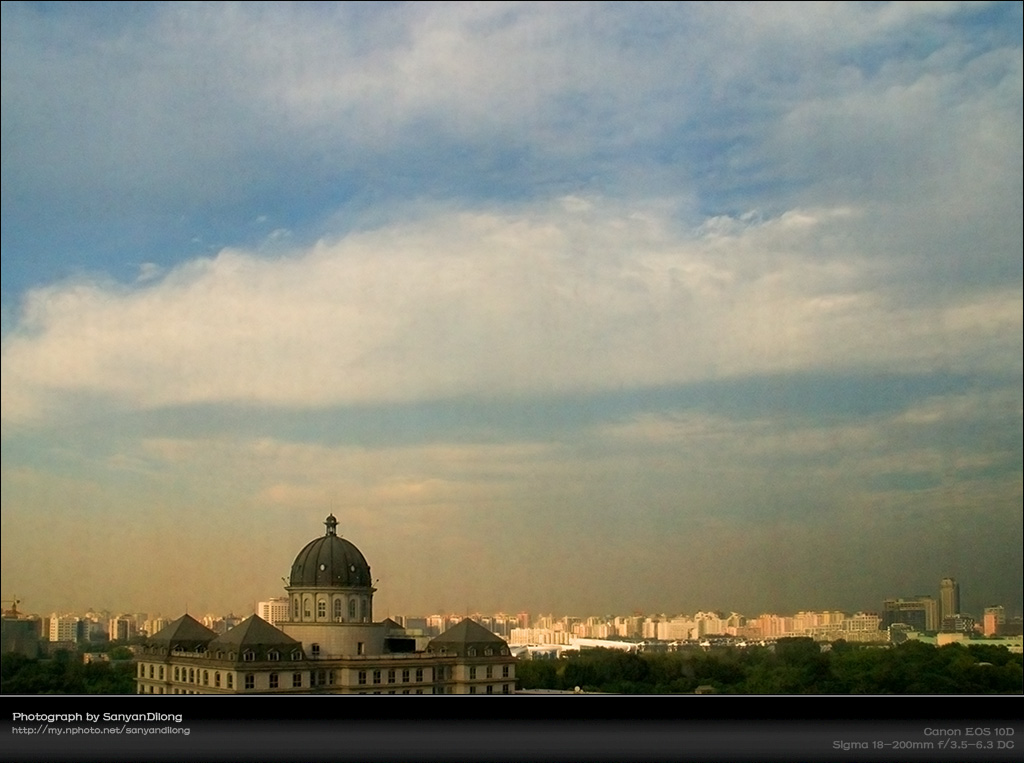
(572, 297)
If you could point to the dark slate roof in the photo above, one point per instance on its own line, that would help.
(253, 632)
(330, 561)
(459, 638)
(186, 631)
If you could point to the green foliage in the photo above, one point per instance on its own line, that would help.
(794, 666)
(537, 674)
(65, 674)
(121, 653)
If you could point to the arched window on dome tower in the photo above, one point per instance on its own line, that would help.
(351, 609)
(337, 609)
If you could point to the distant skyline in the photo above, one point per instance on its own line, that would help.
(876, 608)
(573, 307)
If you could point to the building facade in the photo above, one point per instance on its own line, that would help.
(993, 619)
(921, 613)
(328, 643)
(121, 628)
(64, 628)
(949, 598)
(274, 610)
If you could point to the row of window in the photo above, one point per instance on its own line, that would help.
(488, 672)
(273, 655)
(489, 689)
(191, 675)
(392, 675)
(248, 655)
(318, 679)
(337, 609)
(195, 676)
(488, 651)
(505, 689)
(321, 677)
(142, 671)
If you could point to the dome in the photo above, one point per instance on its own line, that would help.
(330, 561)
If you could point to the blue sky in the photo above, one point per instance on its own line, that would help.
(582, 307)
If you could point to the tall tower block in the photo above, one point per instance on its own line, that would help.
(949, 598)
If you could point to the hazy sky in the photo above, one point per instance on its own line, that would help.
(570, 307)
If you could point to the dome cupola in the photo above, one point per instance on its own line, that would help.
(330, 561)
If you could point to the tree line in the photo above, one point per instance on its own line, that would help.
(793, 666)
(65, 673)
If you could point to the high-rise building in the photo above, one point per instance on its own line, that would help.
(64, 628)
(949, 598)
(274, 610)
(121, 628)
(154, 625)
(327, 643)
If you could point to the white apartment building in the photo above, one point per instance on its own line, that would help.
(64, 627)
(274, 610)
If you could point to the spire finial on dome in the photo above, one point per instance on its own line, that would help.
(332, 524)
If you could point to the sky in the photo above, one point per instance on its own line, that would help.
(575, 308)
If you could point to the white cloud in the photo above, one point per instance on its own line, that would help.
(193, 100)
(548, 299)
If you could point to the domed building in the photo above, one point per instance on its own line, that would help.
(330, 643)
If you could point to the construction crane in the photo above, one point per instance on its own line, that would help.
(14, 602)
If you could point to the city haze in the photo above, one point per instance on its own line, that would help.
(572, 308)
